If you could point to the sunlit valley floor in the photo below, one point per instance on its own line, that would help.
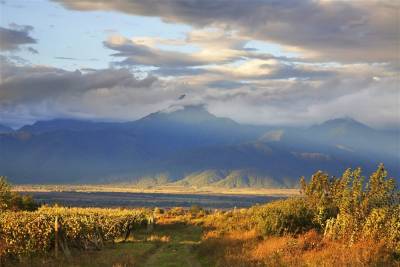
(346, 221)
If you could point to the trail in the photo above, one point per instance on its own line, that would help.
(178, 251)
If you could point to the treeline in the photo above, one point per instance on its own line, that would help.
(14, 201)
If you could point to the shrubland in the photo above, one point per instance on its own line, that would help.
(349, 220)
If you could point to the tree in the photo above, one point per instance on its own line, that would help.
(12, 200)
(5, 193)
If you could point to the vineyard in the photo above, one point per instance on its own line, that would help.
(350, 220)
(25, 233)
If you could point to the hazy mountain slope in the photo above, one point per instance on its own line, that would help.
(191, 145)
(351, 135)
(67, 124)
(5, 129)
(202, 178)
(246, 178)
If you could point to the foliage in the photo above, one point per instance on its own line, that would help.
(313, 230)
(349, 209)
(12, 200)
(26, 233)
(350, 221)
(246, 248)
(291, 216)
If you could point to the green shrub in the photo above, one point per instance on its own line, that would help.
(291, 216)
(383, 224)
(350, 210)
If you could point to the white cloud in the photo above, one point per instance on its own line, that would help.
(345, 31)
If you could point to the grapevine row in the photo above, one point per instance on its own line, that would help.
(26, 233)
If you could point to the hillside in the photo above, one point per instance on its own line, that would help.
(5, 129)
(189, 146)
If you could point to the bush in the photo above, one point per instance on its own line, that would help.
(351, 210)
(291, 216)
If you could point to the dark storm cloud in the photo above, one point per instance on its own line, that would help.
(346, 31)
(11, 38)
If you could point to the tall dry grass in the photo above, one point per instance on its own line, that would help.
(310, 249)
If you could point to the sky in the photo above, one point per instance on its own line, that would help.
(285, 62)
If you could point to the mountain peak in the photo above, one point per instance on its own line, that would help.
(188, 114)
(196, 109)
(343, 122)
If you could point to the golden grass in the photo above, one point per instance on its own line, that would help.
(310, 249)
(159, 238)
(167, 189)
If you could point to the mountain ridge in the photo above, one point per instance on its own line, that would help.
(186, 145)
(5, 129)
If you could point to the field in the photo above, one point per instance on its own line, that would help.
(345, 221)
(197, 238)
(128, 188)
(169, 244)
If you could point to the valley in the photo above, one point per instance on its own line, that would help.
(188, 146)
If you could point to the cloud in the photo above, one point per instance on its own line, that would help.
(15, 36)
(76, 59)
(138, 54)
(218, 53)
(32, 50)
(33, 83)
(179, 71)
(29, 93)
(143, 51)
(352, 91)
(343, 31)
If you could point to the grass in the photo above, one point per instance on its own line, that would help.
(169, 244)
(360, 221)
(309, 249)
(196, 240)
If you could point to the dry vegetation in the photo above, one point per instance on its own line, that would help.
(166, 189)
(310, 249)
(345, 221)
(339, 222)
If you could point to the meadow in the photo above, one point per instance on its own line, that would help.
(346, 221)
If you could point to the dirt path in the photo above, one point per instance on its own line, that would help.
(175, 247)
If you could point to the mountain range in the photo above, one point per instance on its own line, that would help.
(187, 145)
